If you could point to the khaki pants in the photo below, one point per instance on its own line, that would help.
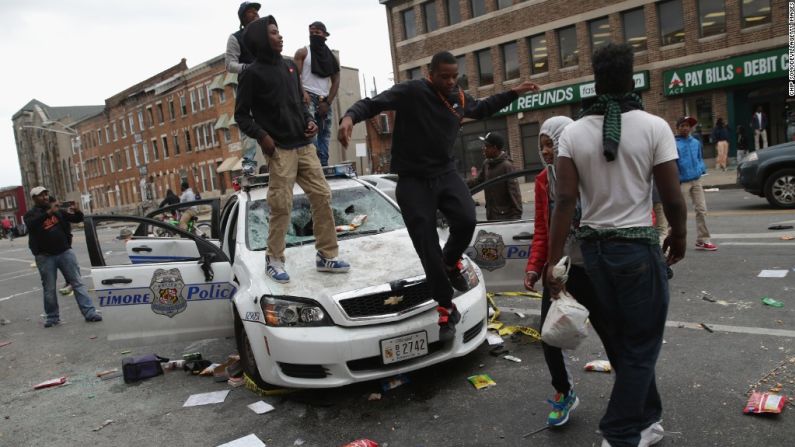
(301, 165)
(695, 191)
(186, 216)
(723, 154)
(760, 133)
(662, 223)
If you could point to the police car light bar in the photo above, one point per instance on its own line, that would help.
(340, 170)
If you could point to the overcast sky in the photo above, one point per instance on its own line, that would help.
(80, 52)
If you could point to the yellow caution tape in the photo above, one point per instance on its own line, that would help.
(256, 389)
(501, 328)
(528, 294)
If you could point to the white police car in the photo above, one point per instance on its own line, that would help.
(319, 330)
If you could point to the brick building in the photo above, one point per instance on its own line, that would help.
(13, 204)
(177, 125)
(379, 141)
(706, 58)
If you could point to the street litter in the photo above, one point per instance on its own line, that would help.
(50, 383)
(599, 366)
(93, 337)
(394, 382)
(235, 382)
(520, 315)
(481, 381)
(361, 443)
(708, 297)
(772, 302)
(260, 407)
(192, 356)
(4, 322)
(773, 273)
(356, 222)
(765, 403)
(256, 389)
(513, 359)
(299, 441)
(125, 352)
(707, 328)
(111, 375)
(215, 397)
(5, 343)
(711, 189)
(493, 339)
(546, 427)
(173, 364)
(142, 367)
(787, 237)
(246, 441)
(780, 227)
(106, 372)
(104, 424)
(501, 328)
(374, 396)
(498, 351)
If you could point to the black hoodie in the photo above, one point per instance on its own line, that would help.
(269, 98)
(425, 127)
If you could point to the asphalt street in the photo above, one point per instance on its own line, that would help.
(703, 376)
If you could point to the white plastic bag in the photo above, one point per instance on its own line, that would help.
(566, 324)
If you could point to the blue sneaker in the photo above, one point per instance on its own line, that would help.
(275, 270)
(333, 265)
(561, 407)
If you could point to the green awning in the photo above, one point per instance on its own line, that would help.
(218, 83)
(231, 78)
(222, 123)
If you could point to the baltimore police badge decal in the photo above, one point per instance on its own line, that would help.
(488, 250)
(166, 289)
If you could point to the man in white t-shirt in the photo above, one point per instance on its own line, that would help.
(320, 77)
(608, 158)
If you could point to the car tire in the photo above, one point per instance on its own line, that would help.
(780, 188)
(247, 355)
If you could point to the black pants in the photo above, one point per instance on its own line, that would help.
(419, 198)
(580, 287)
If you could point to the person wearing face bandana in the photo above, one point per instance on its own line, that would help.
(320, 77)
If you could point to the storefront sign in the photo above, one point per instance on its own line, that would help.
(726, 73)
(568, 94)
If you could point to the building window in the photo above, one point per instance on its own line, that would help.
(160, 116)
(141, 120)
(504, 3)
(188, 147)
(755, 12)
(453, 11)
(123, 123)
(135, 155)
(672, 27)
(211, 135)
(155, 151)
(145, 150)
(712, 17)
(171, 114)
(127, 156)
(165, 146)
(429, 11)
(635, 29)
(538, 54)
(478, 7)
(415, 73)
(112, 167)
(151, 116)
(463, 78)
(567, 41)
(199, 132)
(193, 101)
(209, 96)
(510, 61)
(222, 96)
(107, 134)
(205, 179)
(227, 136)
(183, 108)
(176, 144)
(485, 68)
(115, 132)
(213, 176)
(600, 33)
(409, 24)
(201, 98)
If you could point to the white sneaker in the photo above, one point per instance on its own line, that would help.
(651, 435)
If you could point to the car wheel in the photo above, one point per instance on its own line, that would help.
(247, 355)
(780, 188)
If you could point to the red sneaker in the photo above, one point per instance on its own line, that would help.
(448, 318)
(708, 246)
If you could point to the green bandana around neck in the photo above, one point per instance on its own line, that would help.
(612, 106)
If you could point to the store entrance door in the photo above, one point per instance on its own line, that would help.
(771, 97)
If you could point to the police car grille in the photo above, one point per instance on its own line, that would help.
(373, 305)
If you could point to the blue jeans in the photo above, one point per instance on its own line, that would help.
(323, 136)
(66, 262)
(630, 308)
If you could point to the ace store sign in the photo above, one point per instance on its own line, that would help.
(728, 72)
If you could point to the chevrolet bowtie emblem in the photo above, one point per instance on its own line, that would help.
(393, 300)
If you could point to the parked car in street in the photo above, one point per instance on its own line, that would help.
(319, 330)
(770, 173)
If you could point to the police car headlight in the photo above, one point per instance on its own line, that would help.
(293, 312)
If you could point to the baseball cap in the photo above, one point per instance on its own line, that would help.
(686, 119)
(494, 139)
(320, 26)
(37, 190)
(244, 6)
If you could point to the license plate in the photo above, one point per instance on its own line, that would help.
(405, 347)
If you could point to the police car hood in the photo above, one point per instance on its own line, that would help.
(375, 260)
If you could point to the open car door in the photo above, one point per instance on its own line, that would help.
(501, 248)
(150, 300)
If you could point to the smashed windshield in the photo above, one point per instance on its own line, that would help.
(357, 211)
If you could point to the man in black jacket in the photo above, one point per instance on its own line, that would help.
(427, 122)
(49, 240)
(270, 109)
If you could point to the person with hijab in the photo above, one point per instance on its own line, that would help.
(320, 77)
